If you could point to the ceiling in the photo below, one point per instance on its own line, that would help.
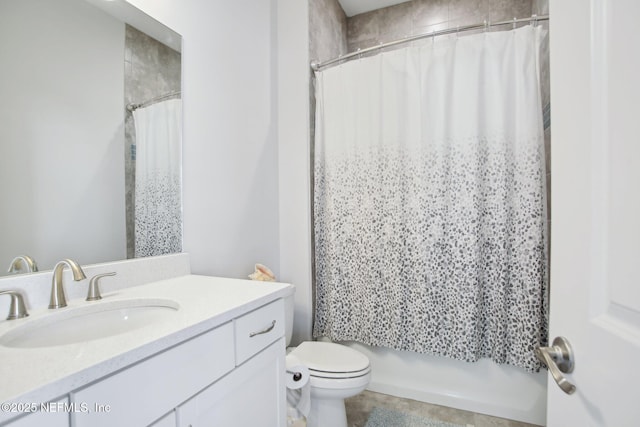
(355, 7)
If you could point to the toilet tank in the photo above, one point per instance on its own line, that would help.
(289, 306)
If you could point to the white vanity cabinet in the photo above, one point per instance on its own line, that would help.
(251, 395)
(254, 393)
(140, 394)
(229, 376)
(218, 360)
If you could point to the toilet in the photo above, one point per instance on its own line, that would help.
(335, 373)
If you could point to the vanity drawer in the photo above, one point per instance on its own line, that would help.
(136, 395)
(258, 329)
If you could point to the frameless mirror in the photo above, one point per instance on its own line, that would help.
(82, 175)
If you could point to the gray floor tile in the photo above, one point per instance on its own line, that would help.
(359, 407)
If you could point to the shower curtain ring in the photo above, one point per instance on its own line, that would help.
(486, 25)
(534, 18)
(514, 22)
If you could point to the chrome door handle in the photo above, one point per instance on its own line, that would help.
(558, 358)
(264, 331)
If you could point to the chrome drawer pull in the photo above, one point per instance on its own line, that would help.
(264, 331)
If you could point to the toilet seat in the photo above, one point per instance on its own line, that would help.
(332, 361)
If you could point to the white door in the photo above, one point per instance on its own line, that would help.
(595, 225)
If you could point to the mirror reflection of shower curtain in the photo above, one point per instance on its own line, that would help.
(430, 213)
(158, 203)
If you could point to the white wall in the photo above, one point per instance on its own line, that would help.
(294, 159)
(234, 159)
(61, 127)
(230, 175)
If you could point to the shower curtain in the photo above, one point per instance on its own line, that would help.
(158, 204)
(429, 199)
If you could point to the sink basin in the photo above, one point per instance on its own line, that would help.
(89, 322)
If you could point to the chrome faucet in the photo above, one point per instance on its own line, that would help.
(16, 309)
(23, 262)
(58, 299)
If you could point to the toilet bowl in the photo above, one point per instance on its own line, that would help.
(336, 372)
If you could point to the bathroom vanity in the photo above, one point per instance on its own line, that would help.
(199, 351)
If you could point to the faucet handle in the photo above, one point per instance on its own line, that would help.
(16, 309)
(94, 288)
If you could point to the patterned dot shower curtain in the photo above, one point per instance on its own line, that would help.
(158, 200)
(429, 199)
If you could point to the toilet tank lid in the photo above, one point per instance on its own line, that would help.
(330, 357)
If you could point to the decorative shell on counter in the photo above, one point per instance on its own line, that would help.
(263, 274)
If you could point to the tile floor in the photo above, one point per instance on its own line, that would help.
(358, 409)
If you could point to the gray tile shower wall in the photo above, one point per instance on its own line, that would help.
(424, 16)
(327, 30)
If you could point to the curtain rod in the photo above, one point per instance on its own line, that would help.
(133, 107)
(534, 19)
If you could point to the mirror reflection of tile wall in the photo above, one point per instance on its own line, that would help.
(152, 69)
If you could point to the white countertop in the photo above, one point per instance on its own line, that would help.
(35, 375)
